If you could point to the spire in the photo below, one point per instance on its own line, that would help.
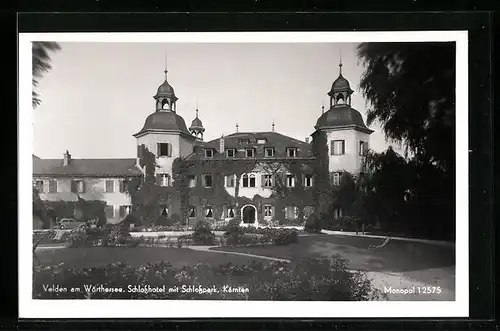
(196, 112)
(340, 62)
(165, 71)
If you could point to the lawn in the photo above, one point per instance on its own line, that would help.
(417, 262)
(86, 257)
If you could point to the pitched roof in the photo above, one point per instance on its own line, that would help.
(242, 140)
(86, 167)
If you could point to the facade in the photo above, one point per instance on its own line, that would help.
(259, 177)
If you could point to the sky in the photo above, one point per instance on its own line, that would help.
(98, 94)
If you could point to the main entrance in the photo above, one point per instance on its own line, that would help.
(248, 214)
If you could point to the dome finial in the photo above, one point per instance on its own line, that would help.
(165, 71)
(237, 126)
(196, 112)
(340, 62)
(322, 108)
(273, 126)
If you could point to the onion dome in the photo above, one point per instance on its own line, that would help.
(165, 90)
(196, 124)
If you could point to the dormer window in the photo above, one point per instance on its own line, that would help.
(250, 152)
(209, 153)
(269, 152)
(261, 141)
(230, 152)
(291, 152)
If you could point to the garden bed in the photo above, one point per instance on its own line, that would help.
(183, 277)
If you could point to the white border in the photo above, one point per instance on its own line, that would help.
(29, 308)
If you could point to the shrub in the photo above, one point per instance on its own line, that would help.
(203, 234)
(314, 279)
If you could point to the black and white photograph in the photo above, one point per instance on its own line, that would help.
(243, 174)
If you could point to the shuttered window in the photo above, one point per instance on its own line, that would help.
(209, 212)
(338, 147)
(192, 211)
(53, 186)
(110, 211)
(268, 211)
(291, 212)
(110, 185)
(77, 186)
(207, 180)
(267, 180)
(164, 149)
(39, 186)
(230, 180)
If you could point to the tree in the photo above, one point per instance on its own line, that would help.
(41, 64)
(411, 90)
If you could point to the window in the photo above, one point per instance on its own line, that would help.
(124, 210)
(250, 152)
(336, 179)
(363, 147)
(110, 211)
(164, 211)
(248, 181)
(291, 212)
(338, 147)
(164, 149)
(269, 152)
(209, 152)
(261, 141)
(77, 186)
(122, 185)
(192, 181)
(267, 180)
(337, 213)
(308, 211)
(209, 211)
(308, 180)
(229, 212)
(291, 152)
(207, 180)
(290, 180)
(39, 186)
(163, 179)
(268, 211)
(230, 152)
(230, 180)
(53, 186)
(110, 185)
(192, 211)
(244, 141)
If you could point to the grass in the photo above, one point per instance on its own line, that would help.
(396, 256)
(87, 257)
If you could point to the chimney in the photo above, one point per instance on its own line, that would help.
(221, 141)
(67, 158)
(307, 140)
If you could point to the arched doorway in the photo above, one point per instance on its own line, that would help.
(248, 214)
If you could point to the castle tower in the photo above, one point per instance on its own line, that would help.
(165, 133)
(347, 135)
